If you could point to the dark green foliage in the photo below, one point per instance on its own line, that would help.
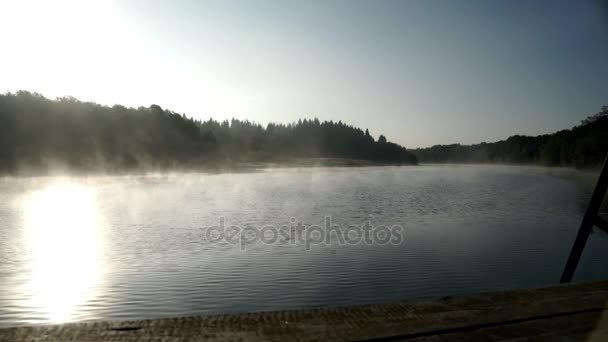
(41, 134)
(585, 145)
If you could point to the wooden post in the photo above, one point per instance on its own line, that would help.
(591, 218)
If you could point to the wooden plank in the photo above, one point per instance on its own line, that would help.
(590, 217)
(577, 311)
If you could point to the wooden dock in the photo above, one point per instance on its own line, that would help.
(577, 312)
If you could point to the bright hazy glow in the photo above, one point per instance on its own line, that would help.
(420, 72)
(61, 42)
(87, 49)
(62, 231)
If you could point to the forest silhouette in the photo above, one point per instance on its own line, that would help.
(583, 146)
(38, 135)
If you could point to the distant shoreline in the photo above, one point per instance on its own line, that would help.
(217, 167)
(252, 166)
(590, 168)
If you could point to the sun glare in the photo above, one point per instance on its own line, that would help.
(62, 228)
(92, 50)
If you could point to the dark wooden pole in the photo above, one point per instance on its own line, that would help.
(591, 217)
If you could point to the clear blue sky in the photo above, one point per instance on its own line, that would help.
(420, 72)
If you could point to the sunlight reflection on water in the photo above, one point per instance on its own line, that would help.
(133, 247)
(62, 235)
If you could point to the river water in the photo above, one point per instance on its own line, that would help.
(132, 247)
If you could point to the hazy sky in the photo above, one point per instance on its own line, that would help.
(420, 72)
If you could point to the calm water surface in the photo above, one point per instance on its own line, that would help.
(74, 249)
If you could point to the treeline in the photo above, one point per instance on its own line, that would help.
(40, 134)
(585, 145)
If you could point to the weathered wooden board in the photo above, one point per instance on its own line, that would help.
(566, 312)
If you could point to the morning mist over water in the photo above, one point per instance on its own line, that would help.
(357, 170)
(136, 246)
